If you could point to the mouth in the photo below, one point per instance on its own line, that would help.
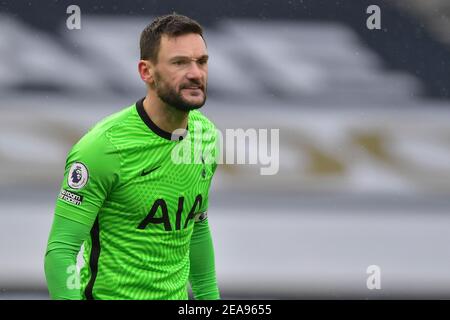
(192, 88)
(193, 91)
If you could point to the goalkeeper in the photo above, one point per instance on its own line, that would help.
(140, 213)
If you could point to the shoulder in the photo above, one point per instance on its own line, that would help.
(196, 116)
(96, 146)
(210, 136)
(99, 135)
(209, 131)
(112, 123)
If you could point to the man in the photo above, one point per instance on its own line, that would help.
(138, 210)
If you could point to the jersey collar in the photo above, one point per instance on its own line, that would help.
(153, 127)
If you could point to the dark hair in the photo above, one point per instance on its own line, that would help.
(172, 25)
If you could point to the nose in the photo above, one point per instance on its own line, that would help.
(194, 72)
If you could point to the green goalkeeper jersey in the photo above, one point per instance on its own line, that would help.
(142, 189)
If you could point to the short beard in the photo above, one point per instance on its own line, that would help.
(170, 97)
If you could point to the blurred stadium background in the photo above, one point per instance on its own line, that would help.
(364, 119)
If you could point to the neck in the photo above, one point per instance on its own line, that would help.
(163, 115)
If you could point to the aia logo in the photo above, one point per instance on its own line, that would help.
(165, 220)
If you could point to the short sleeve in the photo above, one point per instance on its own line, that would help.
(92, 169)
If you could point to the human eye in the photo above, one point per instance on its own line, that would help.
(180, 62)
(203, 60)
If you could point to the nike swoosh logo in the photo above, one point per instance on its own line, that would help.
(144, 173)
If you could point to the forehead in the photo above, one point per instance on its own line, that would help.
(191, 45)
